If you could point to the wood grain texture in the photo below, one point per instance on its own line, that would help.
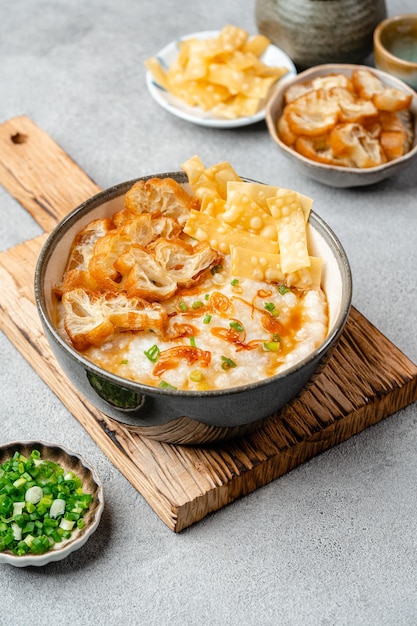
(365, 379)
(30, 160)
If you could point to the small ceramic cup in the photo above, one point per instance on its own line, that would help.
(395, 47)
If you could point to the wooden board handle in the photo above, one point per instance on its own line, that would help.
(39, 174)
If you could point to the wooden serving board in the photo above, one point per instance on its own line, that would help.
(366, 379)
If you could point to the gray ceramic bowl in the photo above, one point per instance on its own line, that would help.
(186, 417)
(332, 175)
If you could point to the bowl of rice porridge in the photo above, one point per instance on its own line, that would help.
(192, 305)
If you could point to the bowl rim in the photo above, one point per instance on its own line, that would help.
(111, 193)
(330, 68)
(378, 36)
(62, 551)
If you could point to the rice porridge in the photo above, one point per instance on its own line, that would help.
(150, 296)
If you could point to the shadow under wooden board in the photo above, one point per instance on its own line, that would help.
(366, 379)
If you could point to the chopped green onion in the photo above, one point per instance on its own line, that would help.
(182, 306)
(66, 524)
(283, 289)
(192, 342)
(234, 282)
(34, 494)
(29, 528)
(196, 376)
(164, 385)
(216, 269)
(152, 353)
(272, 346)
(57, 507)
(66, 534)
(19, 482)
(20, 520)
(197, 304)
(227, 363)
(36, 514)
(41, 509)
(30, 508)
(50, 523)
(270, 306)
(237, 327)
(124, 362)
(40, 545)
(17, 532)
(207, 296)
(207, 319)
(46, 500)
(18, 508)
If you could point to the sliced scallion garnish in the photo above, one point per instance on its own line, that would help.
(152, 353)
(270, 307)
(227, 363)
(164, 385)
(272, 346)
(196, 376)
(37, 513)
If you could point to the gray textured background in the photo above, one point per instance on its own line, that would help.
(334, 542)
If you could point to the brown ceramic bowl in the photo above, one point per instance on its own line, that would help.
(395, 47)
(333, 175)
(171, 415)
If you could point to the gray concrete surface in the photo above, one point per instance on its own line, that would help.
(332, 543)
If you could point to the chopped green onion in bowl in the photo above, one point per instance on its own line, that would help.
(51, 501)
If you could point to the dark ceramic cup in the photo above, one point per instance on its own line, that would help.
(312, 33)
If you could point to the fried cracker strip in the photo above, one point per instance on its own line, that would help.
(266, 266)
(286, 210)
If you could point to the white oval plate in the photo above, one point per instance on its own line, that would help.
(272, 56)
(70, 461)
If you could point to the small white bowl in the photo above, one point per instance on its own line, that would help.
(272, 56)
(70, 461)
(332, 175)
